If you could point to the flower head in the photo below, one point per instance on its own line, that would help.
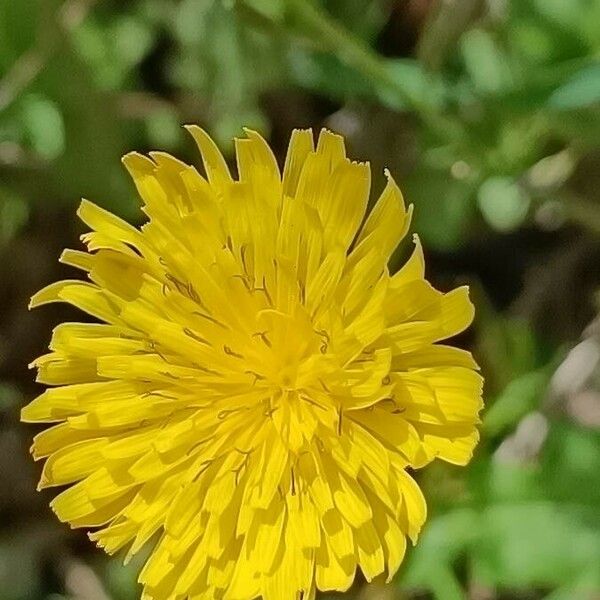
(258, 383)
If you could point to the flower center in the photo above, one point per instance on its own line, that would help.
(287, 379)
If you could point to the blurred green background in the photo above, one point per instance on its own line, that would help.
(488, 113)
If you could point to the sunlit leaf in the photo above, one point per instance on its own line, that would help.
(503, 203)
(44, 124)
(582, 89)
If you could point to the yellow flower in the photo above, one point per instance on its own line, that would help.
(258, 383)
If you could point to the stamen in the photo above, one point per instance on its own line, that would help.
(193, 294)
(311, 401)
(326, 339)
(230, 352)
(207, 370)
(181, 287)
(210, 318)
(201, 442)
(238, 471)
(243, 257)
(167, 374)
(263, 337)
(159, 394)
(269, 412)
(244, 452)
(302, 294)
(265, 291)
(203, 467)
(324, 386)
(293, 482)
(257, 376)
(195, 336)
(323, 333)
(222, 414)
(244, 279)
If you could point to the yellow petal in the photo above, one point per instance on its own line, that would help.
(214, 163)
(300, 146)
(386, 225)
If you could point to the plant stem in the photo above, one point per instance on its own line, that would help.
(332, 36)
(445, 585)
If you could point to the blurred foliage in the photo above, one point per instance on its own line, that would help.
(489, 113)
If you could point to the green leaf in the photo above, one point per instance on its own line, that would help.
(423, 88)
(535, 543)
(444, 584)
(10, 396)
(94, 137)
(228, 64)
(579, 17)
(443, 207)
(17, 29)
(503, 203)
(112, 49)
(43, 122)
(272, 9)
(14, 213)
(121, 580)
(579, 91)
(518, 398)
(163, 128)
(21, 576)
(533, 41)
(571, 464)
(444, 539)
(324, 74)
(132, 38)
(485, 61)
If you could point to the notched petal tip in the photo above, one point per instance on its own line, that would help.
(326, 136)
(302, 131)
(300, 146)
(332, 146)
